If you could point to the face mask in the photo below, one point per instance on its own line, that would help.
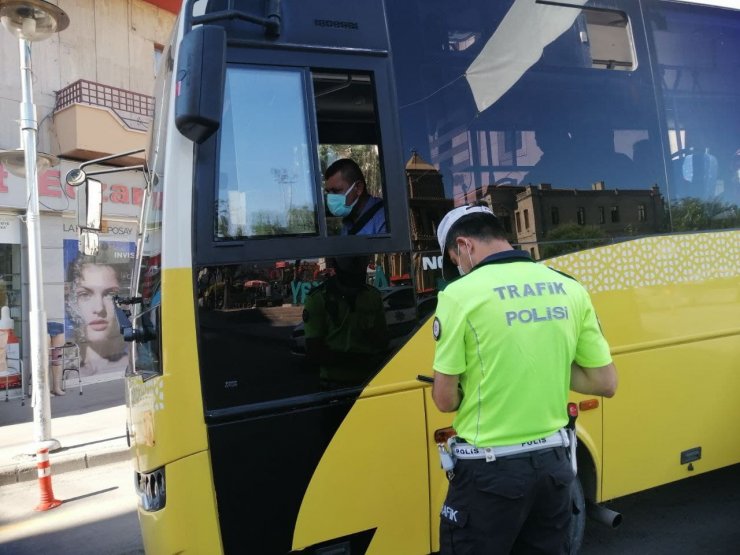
(459, 267)
(337, 203)
(470, 258)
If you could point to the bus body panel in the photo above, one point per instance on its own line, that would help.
(170, 405)
(373, 472)
(670, 307)
(189, 522)
(658, 416)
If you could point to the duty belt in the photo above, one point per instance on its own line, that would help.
(468, 451)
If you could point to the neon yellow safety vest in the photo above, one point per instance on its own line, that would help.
(510, 330)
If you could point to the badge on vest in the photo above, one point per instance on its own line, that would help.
(436, 329)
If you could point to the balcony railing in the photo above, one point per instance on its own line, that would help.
(135, 110)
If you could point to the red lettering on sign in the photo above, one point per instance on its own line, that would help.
(119, 194)
(49, 184)
(137, 195)
(3, 175)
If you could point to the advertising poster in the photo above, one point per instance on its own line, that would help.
(90, 284)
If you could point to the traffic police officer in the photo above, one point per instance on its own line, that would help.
(513, 337)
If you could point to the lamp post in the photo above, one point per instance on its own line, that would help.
(29, 21)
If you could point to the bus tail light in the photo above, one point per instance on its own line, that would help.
(589, 404)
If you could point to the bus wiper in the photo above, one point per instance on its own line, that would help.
(129, 332)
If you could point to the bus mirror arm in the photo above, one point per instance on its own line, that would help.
(129, 332)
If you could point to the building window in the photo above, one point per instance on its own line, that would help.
(641, 214)
(158, 50)
(615, 214)
(602, 216)
(555, 215)
(506, 220)
(581, 215)
(518, 222)
(526, 218)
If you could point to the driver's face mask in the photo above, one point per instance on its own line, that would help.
(337, 202)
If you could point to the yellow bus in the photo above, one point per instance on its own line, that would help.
(603, 133)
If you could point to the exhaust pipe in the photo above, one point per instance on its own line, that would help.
(601, 514)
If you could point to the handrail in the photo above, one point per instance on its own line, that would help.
(136, 110)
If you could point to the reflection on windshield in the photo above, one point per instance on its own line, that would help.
(569, 154)
(286, 328)
(265, 184)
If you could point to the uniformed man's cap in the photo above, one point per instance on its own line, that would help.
(450, 219)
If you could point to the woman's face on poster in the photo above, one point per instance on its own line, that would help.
(95, 289)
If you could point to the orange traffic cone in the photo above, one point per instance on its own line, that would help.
(44, 468)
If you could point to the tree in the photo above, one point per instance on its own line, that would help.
(570, 238)
(366, 157)
(693, 214)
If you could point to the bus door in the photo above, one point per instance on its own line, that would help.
(310, 452)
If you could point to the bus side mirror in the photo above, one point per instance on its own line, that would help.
(90, 214)
(93, 205)
(201, 70)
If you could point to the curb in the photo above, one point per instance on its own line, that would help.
(25, 471)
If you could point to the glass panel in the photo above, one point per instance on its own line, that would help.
(265, 184)
(501, 101)
(10, 296)
(698, 52)
(327, 323)
(148, 275)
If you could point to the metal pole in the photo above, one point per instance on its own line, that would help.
(36, 315)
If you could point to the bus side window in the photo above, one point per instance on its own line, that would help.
(350, 155)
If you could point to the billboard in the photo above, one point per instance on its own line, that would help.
(90, 284)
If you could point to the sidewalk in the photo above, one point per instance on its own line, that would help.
(91, 428)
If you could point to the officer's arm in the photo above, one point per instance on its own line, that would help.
(445, 392)
(593, 381)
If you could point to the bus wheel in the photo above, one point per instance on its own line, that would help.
(578, 520)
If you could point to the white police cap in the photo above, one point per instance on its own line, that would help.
(451, 219)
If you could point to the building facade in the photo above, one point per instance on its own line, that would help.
(92, 86)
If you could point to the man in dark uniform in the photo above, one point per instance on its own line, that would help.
(347, 197)
(344, 323)
(513, 337)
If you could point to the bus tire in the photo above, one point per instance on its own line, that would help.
(578, 520)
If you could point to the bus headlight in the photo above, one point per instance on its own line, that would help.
(151, 489)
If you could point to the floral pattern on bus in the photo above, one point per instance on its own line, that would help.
(660, 260)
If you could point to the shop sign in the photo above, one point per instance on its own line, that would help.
(10, 229)
(123, 192)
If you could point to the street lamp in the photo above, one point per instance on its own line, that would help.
(29, 21)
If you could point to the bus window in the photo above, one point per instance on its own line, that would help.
(348, 129)
(265, 184)
(327, 324)
(698, 54)
(529, 119)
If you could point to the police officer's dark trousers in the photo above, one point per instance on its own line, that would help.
(517, 504)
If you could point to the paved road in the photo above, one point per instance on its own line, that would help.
(98, 515)
(696, 516)
(699, 516)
